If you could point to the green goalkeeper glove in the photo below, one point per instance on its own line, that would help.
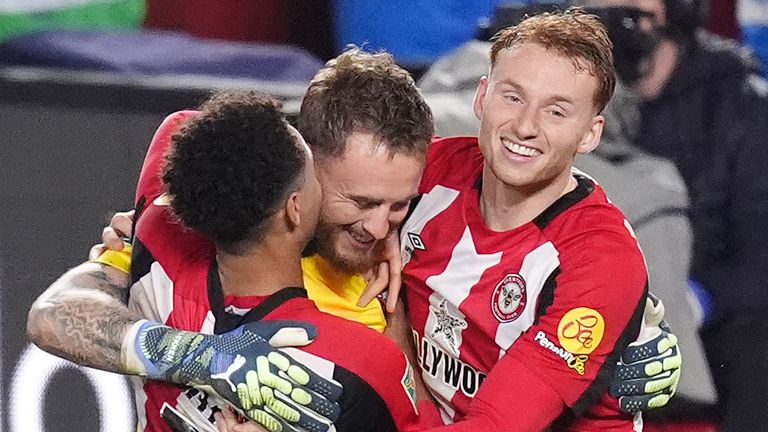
(648, 371)
(243, 367)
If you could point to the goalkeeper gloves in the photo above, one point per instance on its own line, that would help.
(243, 367)
(648, 371)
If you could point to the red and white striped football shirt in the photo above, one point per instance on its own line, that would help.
(551, 303)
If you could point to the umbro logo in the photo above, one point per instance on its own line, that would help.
(416, 241)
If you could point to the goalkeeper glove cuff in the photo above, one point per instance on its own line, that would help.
(150, 349)
(129, 358)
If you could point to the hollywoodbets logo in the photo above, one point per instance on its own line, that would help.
(441, 366)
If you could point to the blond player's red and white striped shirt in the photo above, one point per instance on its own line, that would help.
(505, 320)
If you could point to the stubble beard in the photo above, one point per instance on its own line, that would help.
(324, 243)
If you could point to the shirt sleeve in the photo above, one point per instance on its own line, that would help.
(450, 162)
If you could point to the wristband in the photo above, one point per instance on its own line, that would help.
(120, 260)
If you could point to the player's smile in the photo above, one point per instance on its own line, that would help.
(536, 113)
(360, 240)
(519, 152)
(365, 196)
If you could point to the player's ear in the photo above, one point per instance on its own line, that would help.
(480, 94)
(293, 210)
(592, 136)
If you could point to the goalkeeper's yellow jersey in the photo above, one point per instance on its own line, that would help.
(337, 293)
(333, 292)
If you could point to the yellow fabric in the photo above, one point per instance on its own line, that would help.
(337, 293)
(120, 260)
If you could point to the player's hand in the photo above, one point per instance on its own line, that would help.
(387, 276)
(120, 227)
(649, 369)
(243, 368)
(113, 236)
(226, 421)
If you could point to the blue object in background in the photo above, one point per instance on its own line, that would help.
(756, 38)
(416, 32)
(704, 299)
(158, 53)
(753, 19)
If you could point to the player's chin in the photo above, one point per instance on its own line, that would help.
(352, 259)
(530, 178)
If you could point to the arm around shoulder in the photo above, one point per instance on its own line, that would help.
(83, 317)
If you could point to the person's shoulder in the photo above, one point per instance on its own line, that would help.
(371, 367)
(167, 241)
(357, 336)
(161, 140)
(735, 68)
(593, 218)
(345, 342)
(593, 238)
(332, 322)
(451, 160)
(149, 185)
(443, 148)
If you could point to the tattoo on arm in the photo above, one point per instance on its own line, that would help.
(83, 316)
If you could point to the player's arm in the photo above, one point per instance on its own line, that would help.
(83, 316)
(511, 398)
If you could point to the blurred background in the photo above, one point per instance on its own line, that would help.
(85, 83)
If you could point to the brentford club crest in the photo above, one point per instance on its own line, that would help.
(509, 298)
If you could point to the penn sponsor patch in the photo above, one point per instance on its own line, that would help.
(575, 362)
(581, 330)
(509, 298)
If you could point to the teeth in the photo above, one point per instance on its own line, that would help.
(361, 239)
(519, 149)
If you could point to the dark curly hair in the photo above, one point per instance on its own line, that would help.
(232, 166)
(364, 92)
